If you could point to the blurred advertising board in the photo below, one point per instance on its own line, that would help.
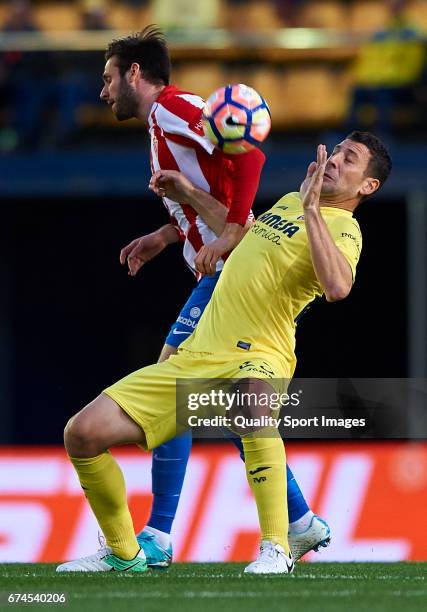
(374, 496)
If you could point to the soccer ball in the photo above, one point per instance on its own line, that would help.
(236, 118)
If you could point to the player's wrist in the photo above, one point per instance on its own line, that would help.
(311, 211)
(168, 234)
(226, 243)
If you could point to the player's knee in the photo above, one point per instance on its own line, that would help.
(81, 438)
(249, 414)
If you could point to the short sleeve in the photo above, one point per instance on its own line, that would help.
(247, 169)
(348, 238)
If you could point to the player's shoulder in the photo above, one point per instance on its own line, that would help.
(290, 201)
(348, 223)
(178, 114)
(180, 103)
(345, 229)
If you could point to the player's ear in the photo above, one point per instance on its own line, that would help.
(369, 186)
(134, 72)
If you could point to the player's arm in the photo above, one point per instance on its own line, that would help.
(142, 249)
(183, 120)
(208, 256)
(331, 267)
(246, 175)
(176, 186)
(229, 225)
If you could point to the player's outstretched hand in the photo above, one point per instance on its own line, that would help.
(312, 184)
(207, 258)
(141, 250)
(171, 184)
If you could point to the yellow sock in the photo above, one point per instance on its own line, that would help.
(104, 486)
(265, 462)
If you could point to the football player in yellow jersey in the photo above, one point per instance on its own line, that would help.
(306, 245)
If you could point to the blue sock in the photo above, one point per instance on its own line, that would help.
(297, 506)
(167, 473)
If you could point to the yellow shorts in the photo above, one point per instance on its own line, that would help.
(148, 395)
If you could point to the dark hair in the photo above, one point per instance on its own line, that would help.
(379, 165)
(148, 49)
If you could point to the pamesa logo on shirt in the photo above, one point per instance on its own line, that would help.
(276, 222)
(279, 223)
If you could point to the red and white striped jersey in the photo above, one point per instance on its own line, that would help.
(178, 143)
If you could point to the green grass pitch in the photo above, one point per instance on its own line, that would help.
(221, 587)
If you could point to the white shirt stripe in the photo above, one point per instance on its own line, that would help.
(186, 160)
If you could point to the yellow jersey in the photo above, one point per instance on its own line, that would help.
(266, 283)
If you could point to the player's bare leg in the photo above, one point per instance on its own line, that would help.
(88, 436)
(99, 426)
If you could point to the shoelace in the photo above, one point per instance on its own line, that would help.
(148, 536)
(270, 550)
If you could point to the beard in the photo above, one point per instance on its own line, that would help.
(126, 102)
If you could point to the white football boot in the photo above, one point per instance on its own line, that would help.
(104, 561)
(272, 559)
(315, 536)
(92, 563)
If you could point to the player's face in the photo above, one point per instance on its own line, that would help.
(118, 93)
(345, 172)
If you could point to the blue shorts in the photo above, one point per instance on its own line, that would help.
(192, 310)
